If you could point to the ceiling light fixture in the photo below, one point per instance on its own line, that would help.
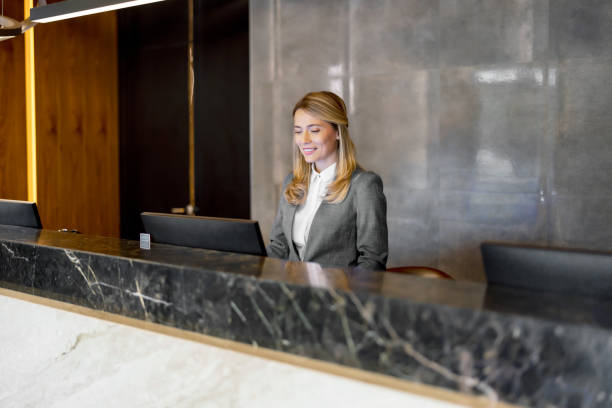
(10, 28)
(76, 8)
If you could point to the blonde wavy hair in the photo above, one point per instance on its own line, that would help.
(329, 107)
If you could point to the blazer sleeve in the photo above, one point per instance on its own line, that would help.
(371, 209)
(279, 247)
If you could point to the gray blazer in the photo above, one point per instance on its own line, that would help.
(350, 233)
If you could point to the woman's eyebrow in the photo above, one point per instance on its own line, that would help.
(308, 126)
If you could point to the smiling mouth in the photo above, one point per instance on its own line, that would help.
(308, 150)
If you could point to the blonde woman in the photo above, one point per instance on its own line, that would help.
(331, 211)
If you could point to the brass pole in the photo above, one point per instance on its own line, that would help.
(30, 106)
(190, 74)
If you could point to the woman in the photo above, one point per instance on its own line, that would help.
(331, 211)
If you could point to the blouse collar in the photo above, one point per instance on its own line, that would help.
(326, 175)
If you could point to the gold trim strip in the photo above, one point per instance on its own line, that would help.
(30, 107)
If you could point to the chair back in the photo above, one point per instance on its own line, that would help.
(421, 271)
(568, 271)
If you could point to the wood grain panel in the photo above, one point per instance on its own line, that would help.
(13, 163)
(77, 124)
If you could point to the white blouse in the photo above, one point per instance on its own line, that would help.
(305, 212)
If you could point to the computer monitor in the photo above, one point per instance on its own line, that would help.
(572, 272)
(221, 234)
(19, 213)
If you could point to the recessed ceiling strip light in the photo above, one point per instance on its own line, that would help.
(75, 8)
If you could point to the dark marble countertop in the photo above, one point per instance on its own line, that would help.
(537, 349)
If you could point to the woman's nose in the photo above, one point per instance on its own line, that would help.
(305, 138)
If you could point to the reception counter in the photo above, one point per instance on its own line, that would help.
(452, 342)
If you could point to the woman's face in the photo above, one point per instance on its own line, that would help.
(316, 139)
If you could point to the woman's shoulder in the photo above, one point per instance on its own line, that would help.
(362, 177)
(288, 179)
(366, 183)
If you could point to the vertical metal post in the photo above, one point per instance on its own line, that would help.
(191, 85)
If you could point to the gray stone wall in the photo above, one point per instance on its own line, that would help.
(487, 120)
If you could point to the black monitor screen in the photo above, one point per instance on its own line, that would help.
(221, 234)
(573, 272)
(19, 213)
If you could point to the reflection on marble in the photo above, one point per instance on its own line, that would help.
(54, 358)
(441, 333)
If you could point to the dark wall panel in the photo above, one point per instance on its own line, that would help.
(222, 108)
(153, 111)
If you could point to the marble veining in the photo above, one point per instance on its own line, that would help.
(525, 348)
(147, 369)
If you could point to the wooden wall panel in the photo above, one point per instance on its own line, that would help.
(77, 124)
(13, 160)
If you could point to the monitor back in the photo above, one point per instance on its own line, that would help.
(221, 234)
(19, 213)
(572, 272)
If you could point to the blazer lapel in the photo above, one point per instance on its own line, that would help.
(314, 227)
(288, 227)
